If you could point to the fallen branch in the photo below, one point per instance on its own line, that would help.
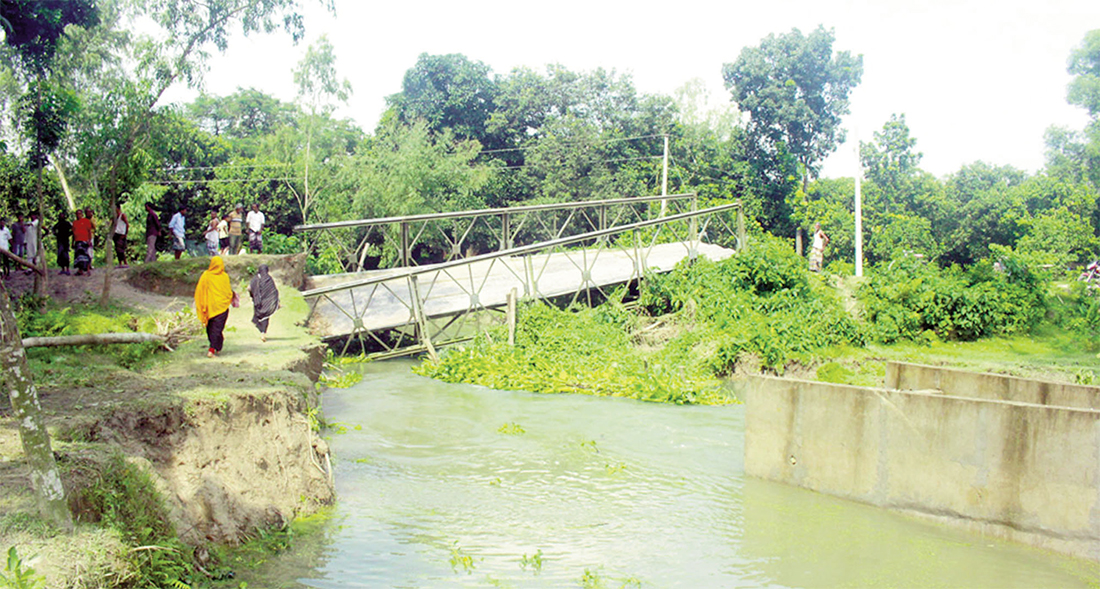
(22, 262)
(92, 339)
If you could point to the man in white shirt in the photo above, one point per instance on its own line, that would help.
(175, 225)
(31, 238)
(254, 221)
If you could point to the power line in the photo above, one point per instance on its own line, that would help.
(621, 159)
(224, 166)
(216, 181)
(601, 142)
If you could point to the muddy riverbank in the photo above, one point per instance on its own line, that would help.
(229, 444)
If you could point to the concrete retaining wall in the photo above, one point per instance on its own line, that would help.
(960, 383)
(1020, 471)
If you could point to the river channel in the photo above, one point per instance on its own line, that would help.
(444, 485)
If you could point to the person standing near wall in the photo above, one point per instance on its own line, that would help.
(153, 230)
(176, 226)
(88, 214)
(63, 233)
(236, 220)
(122, 228)
(223, 235)
(817, 250)
(255, 223)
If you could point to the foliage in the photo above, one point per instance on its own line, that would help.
(19, 576)
(908, 297)
(1084, 64)
(534, 561)
(448, 92)
(38, 321)
(761, 302)
(126, 499)
(796, 91)
(573, 351)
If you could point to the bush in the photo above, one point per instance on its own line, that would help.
(759, 302)
(907, 297)
(576, 350)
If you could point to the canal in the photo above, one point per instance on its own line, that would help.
(444, 485)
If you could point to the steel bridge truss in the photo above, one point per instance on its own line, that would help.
(409, 310)
(414, 240)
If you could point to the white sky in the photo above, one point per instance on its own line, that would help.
(977, 80)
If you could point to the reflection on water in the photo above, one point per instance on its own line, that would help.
(451, 485)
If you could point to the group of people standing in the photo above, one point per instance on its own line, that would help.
(21, 239)
(214, 294)
(223, 235)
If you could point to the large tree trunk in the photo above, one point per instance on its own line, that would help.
(45, 476)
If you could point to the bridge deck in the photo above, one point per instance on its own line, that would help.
(485, 284)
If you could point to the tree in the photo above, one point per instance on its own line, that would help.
(318, 85)
(34, 29)
(796, 91)
(1084, 63)
(449, 92)
(177, 51)
(889, 160)
(49, 491)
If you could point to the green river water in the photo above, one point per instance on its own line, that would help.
(444, 485)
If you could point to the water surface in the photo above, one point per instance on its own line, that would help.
(445, 485)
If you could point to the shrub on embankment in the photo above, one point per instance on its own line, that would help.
(912, 299)
(762, 302)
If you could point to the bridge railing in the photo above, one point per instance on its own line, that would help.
(413, 240)
(392, 311)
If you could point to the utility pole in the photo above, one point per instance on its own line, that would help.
(664, 179)
(859, 209)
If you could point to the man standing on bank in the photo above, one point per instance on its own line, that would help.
(254, 221)
(236, 219)
(153, 230)
(63, 232)
(122, 229)
(175, 225)
(817, 251)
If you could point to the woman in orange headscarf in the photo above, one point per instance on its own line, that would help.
(213, 297)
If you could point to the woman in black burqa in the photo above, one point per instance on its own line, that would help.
(265, 299)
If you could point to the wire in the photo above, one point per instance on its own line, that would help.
(621, 159)
(224, 166)
(215, 181)
(602, 142)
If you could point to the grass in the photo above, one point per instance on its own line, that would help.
(1049, 354)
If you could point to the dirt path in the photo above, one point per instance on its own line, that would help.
(228, 437)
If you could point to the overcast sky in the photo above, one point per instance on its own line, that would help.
(977, 80)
